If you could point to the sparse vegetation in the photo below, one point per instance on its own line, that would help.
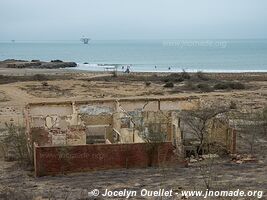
(169, 85)
(44, 84)
(264, 113)
(252, 126)
(36, 77)
(220, 86)
(46, 90)
(39, 77)
(236, 85)
(114, 73)
(199, 121)
(3, 97)
(204, 87)
(166, 80)
(229, 85)
(174, 77)
(185, 75)
(147, 83)
(15, 144)
(201, 76)
(233, 105)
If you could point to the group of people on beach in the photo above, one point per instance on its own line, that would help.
(129, 66)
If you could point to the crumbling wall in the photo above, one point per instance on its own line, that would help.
(40, 136)
(218, 131)
(137, 138)
(96, 109)
(99, 125)
(127, 135)
(54, 119)
(219, 136)
(74, 135)
(134, 125)
(97, 119)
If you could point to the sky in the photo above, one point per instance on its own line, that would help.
(132, 19)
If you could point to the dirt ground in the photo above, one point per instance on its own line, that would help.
(226, 176)
(16, 91)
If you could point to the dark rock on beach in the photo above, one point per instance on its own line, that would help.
(36, 64)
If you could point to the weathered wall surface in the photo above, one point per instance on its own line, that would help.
(67, 159)
(222, 134)
(140, 105)
(178, 105)
(219, 134)
(97, 119)
(73, 135)
(53, 119)
(44, 110)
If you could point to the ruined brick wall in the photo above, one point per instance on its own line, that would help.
(220, 132)
(67, 159)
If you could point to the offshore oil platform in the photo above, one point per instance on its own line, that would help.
(85, 40)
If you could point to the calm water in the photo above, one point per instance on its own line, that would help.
(191, 55)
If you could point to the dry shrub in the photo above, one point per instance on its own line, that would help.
(15, 144)
(169, 85)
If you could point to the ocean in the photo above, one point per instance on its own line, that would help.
(147, 55)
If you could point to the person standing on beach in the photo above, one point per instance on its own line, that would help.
(127, 69)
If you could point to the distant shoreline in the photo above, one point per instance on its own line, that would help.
(82, 67)
(209, 56)
(62, 66)
(77, 72)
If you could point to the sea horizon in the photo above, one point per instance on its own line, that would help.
(165, 55)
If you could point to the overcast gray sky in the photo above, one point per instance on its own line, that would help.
(132, 19)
